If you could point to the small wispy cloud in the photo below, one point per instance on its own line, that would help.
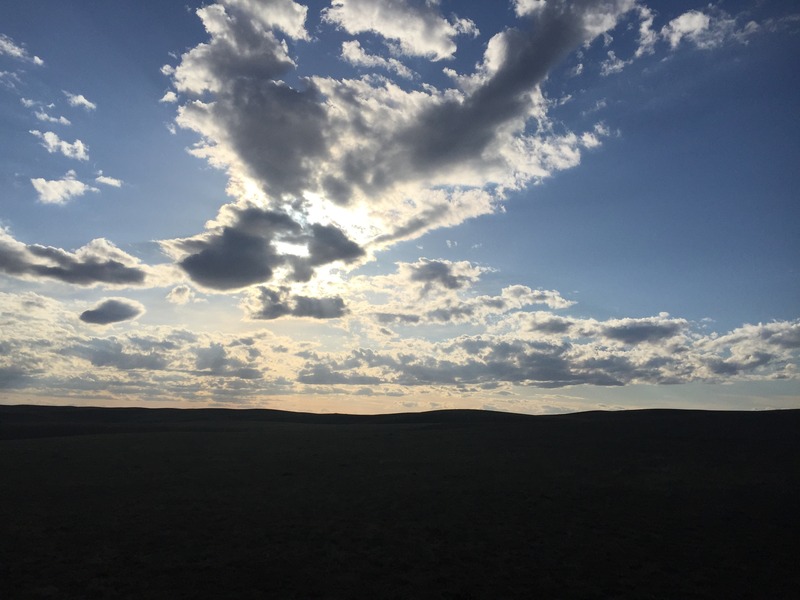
(10, 48)
(106, 180)
(353, 53)
(79, 100)
(43, 116)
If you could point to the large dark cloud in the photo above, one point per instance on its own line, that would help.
(459, 131)
(112, 311)
(99, 262)
(242, 252)
(231, 259)
(243, 65)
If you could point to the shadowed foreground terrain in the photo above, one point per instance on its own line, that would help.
(142, 503)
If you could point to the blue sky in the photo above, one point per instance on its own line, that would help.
(391, 205)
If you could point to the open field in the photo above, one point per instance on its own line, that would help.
(138, 503)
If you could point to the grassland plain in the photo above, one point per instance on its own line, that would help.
(156, 503)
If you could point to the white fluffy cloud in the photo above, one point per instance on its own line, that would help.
(52, 143)
(169, 98)
(285, 15)
(60, 191)
(418, 29)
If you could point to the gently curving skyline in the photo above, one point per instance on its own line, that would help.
(389, 205)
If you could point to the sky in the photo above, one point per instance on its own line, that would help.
(375, 206)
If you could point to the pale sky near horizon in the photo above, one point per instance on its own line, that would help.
(393, 205)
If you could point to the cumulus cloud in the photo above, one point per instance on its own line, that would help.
(285, 15)
(267, 304)
(60, 191)
(417, 28)
(558, 351)
(79, 100)
(112, 310)
(693, 26)
(440, 292)
(364, 160)
(169, 97)
(240, 248)
(52, 143)
(98, 262)
(9, 47)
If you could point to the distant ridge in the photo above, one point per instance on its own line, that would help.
(22, 421)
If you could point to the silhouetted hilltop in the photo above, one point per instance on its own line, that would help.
(214, 503)
(21, 421)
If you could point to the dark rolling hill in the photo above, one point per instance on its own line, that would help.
(207, 503)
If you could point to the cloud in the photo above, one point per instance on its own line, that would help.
(353, 53)
(79, 100)
(169, 97)
(52, 143)
(267, 304)
(10, 48)
(443, 273)
(440, 292)
(240, 248)
(60, 191)
(612, 64)
(647, 35)
(43, 116)
(636, 331)
(98, 262)
(237, 251)
(418, 28)
(112, 310)
(286, 15)
(563, 352)
(365, 157)
(182, 294)
(105, 180)
(13, 378)
(706, 31)
(111, 353)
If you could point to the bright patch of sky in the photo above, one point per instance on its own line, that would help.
(391, 205)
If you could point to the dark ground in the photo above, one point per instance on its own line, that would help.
(137, 503)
